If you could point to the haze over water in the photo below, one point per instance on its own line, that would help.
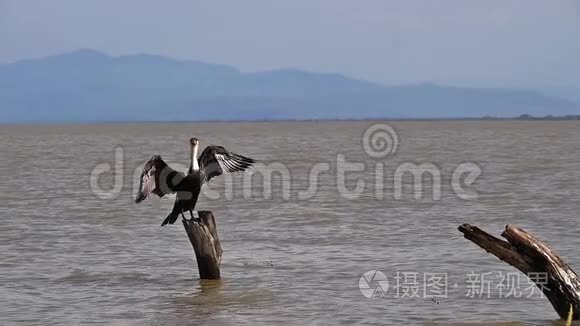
(69, 257)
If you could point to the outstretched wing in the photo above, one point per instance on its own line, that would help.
(214, 160)
(157, 178)
(147, 185)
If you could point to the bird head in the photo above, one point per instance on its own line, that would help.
(193, 141)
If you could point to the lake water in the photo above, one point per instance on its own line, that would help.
(291, 257)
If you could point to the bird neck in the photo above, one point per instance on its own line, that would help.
(194, 165)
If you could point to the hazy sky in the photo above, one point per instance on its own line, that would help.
(524, 43)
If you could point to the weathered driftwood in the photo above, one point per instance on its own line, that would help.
(529, 255)
(203, 236)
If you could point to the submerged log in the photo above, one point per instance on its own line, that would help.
(202, 233)
(561, 285)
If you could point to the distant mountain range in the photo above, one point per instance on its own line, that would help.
(87, 85)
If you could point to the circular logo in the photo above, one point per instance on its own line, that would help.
(373, 284)
(380, 140)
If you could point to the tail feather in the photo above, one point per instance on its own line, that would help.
(170, 219)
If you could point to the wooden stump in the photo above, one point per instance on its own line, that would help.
(203, 236)
(530, 255)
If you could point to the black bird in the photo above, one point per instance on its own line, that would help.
(160, 179)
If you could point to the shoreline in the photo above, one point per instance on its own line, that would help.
(527, 118)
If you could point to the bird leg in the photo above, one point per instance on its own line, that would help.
(191, 214)
(183, 216)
